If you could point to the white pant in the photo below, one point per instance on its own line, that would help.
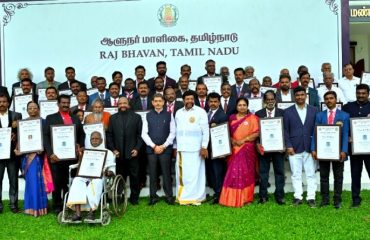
(298, 162)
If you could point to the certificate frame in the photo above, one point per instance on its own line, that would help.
(250, 100)
(111, 110)
(365, 78)
(335, 84)
(16, 104)
(323, 107)
(193, 85)
(280, 138)
(6, 145)
(32, 144)
(43, 103)
(224, 131)
(214, 84)
(264, 89)
(86, 161)
(355, 123)
(284, 105)
(142, 113)
(320, 141)
(72, 138)
(98, 127)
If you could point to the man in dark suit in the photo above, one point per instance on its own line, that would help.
(183, 86)
(102, 93)
(228, 101)
(359, 108)
(140, 75)
(254, 89)
(201, 100)
(284, 93)
(112, 101)
(172, 105)
(332, 116)
(26, 85)
(304, 78)
(124, 140)
(9, 119)
(82, 100)
(299, 125)
(60, 169)
(22, 74)
(162, 70)
(129, 90)
(210, 67)
(70, 75)
(215, 168)
(240, 88)
(265, 158)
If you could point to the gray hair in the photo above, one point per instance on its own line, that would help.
(30, 75)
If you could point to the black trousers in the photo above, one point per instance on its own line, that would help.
(277, 160)
(12, 170)
(130, 168)
(164, 161)
(357, 162)
(143, 165)
(215, 170)
(60, 173)
(338, 168)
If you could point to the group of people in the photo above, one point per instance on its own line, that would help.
(157, 120)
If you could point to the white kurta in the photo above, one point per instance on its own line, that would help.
(86, 191)
(192, 134)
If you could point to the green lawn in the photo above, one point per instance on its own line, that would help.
(268, 221)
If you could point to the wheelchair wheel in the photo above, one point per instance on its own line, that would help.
(60, 218)
(105, 218)
(119, 195)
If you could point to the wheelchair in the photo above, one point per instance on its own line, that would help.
(113, 200)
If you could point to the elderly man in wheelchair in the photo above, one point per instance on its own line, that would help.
(85, 193)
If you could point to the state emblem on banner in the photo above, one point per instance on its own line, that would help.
(168, 15)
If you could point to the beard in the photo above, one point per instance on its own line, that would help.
(97, 116)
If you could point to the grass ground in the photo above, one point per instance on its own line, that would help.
(255, 221)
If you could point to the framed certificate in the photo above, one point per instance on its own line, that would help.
(285, 105)
(323, 106)
(323, 84)
(74, 101)
(17, 91)
(312, 83)
(272, 134)
(111, 110)
(93, 127)
(142, 114)
(91, 91)
(48, 107)
(20, 104)
(328, 142)
(30, 135)
(308, 98)
(5, 142)
(213, 84)
(255, 104)
(360, 134)
(63, 141)
(365, 78)
(65, 92)
(265, 89)
(220, 140)
(192, 85)
(42, 94)
(92, 163)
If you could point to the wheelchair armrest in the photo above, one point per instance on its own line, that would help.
(73, 166)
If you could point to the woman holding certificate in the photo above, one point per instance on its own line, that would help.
(35, 197)
(238, 187)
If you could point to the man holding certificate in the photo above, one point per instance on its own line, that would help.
(358, 108)
(276, 157)
(8, 119)
(332, 116)
(52, 142)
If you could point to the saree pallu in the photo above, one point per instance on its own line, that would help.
(35, 198)
(238, 187)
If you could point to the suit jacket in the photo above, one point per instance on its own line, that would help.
(169, 83)
(340, 117)
(134, 94)
(65, 86)
(244, 90)
(92, 97)
(18, 84)
(136, 103)
(197, 103)
(178, 105)
(12, 116)
(249, 95)
(297, 135)
(278, 96)
(218, 117)
(56, 119)
(124, 133)
(263, 114)
(74, 108)
(108, 103)
(314, 97)
(231, 106)
(200, 79)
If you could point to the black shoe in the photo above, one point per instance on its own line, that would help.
(153, 201)
(134, 201)
(356, 205)
(297, 202)
(1, 210)
(324, 203)
(57, 210)
(215, 200)
(311, 203)
(337, 205)
(169, 200)
(76, 218)
(281, 201)
(15, 210)
(262, 200)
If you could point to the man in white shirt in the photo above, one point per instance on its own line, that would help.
(328, 81)
(192, 136)
(348, 83)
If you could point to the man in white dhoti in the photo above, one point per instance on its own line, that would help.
(85, 193)
(192, 136)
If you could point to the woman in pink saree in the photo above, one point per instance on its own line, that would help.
(238, 187)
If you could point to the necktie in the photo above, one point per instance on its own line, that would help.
(143, 104)
(210, 116)
(115, 102)
(238, 91)
(331, 117)
(225, 106)
(101, 96)
(169, 107)
(129, 95)
(270, 114)
(202, 103)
